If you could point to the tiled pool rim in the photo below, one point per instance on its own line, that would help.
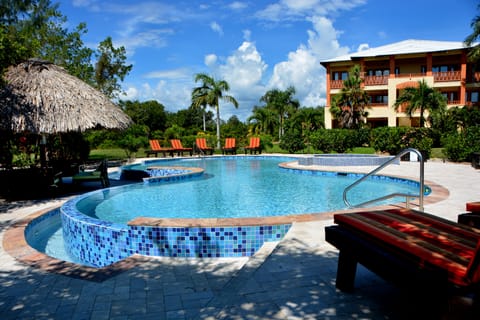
(16, 245)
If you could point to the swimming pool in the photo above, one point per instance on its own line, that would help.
(195, 217)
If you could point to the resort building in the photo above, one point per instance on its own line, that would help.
(391, 68)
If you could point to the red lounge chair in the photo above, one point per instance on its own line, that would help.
(155, 148)
(407, 247)
(178, 147)
(230, 146)
(201, 145)
(254, 146)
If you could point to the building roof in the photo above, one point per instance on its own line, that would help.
(402, 47)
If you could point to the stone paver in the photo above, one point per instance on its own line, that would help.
(292, 279)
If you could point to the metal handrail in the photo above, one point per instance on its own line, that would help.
(392, 195)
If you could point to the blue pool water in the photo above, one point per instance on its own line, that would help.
(233, 188)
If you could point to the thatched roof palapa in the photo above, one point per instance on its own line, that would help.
(40, 97)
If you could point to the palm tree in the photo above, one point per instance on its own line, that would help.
(423, 98)
(282, 103)
(474, 54)
(198, 102)
(263, 120)
(210, 93)
(349, 106)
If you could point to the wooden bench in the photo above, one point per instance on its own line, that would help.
(407, 247)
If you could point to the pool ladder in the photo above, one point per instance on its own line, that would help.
(392, 195)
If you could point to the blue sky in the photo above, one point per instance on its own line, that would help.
(254, 45)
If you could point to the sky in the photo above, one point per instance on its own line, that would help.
(254, 45)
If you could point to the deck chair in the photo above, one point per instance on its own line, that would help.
(230, 146)
(254, 146)
(155, 149)
(178, 147)
(201, 145)
(98, 174)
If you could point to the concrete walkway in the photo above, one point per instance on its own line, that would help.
(293, 279)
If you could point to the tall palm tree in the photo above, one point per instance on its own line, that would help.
(198, 102)
(349, 106)
(210, 93)
(423, 98)
(283, 103)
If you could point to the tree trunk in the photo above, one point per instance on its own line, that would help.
(218, 127)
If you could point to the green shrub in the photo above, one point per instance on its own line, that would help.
(393, 140)
(334, 140)
(134, 138)
(292, 141)
(459, 146)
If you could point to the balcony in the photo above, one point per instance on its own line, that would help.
(378, 104)
(375, 80)
(446, 76)
(336, 84)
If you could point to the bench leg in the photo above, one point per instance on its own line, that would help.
(346, 270)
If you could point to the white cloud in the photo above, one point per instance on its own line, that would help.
(216, 28)
(302, 69)
(288, 10)
(363, 46)
(210, 60)
(175, 74)
(237, 5)
(244, 71)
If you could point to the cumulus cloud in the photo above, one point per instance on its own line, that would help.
(216, 28)
(244, 71)
(302, 69)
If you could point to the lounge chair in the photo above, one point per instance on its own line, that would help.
(407, 247)
(201, 145)
(155, 148)
(178, 147)
(98, 174)
(230, 146)
(254, 146)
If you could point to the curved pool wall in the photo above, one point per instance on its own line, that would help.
(100, 243)
(345, 160)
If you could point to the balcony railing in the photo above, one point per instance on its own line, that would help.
(375, 80)
(378, 104)
(336, 84)
(447, 76)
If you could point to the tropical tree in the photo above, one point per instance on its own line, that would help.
(283, 103)
(422, 98)
(262, 120)
(211, 92)
(110, 68)
(349, 105)
(473, 38)
(198, 102)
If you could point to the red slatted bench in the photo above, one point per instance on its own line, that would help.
(407, 247)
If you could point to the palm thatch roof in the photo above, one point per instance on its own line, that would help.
(42, 98)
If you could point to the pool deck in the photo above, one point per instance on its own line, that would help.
(292, 279)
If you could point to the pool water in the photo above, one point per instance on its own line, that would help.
(233, 188)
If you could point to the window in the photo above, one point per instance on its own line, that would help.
(445, 68)
(340, 75)
(474, 96)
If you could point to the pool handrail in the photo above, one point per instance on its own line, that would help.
(407, 196)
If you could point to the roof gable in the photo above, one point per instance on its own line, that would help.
(402, 47)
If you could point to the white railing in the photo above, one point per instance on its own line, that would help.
(407, 196)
